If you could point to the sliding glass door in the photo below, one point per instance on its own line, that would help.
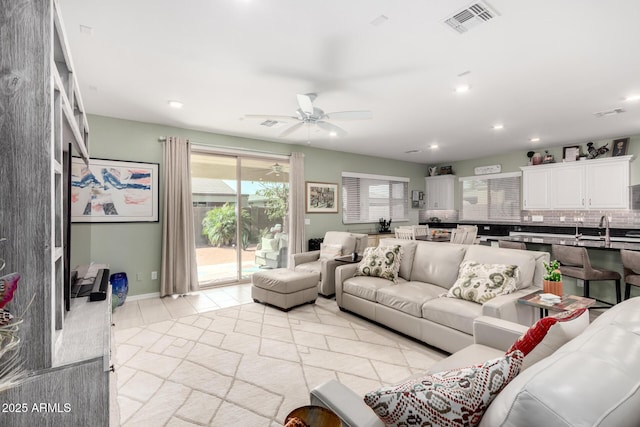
(240, 208)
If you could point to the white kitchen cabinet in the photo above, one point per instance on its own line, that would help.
(590, 184)
(536, 188)
(568, 188)
(439, 191)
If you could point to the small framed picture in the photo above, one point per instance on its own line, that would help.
(619, 147)
(322, 197)
(571, 153)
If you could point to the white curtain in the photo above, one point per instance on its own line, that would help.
(296, 204)
(179, 270)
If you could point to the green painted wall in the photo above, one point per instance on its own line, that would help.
(136, 248)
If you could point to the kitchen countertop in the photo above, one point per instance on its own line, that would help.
(568, 240)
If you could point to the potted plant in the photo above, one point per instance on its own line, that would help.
(552, 280)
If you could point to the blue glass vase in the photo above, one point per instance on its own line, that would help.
(119, 286)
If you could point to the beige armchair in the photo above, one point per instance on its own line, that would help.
(335, 243)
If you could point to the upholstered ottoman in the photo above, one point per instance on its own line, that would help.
(284, 288)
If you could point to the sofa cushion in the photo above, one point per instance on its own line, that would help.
(481, 282)
(594, 379)
(408, 297)
(342, 238)
(437, 263)
(365, 287)
(382, 261)
(330, 250)
(455, 313)
(408, 253)
(549, 334)
(457, 397)
(525, 261)
(269, 245)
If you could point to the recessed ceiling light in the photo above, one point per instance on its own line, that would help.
(433, 146)
(175, 104)
(632, 98)
(498, 126)
(332, 133)
(535, 139)
(462, 88)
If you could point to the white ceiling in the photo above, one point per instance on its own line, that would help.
(542, 68)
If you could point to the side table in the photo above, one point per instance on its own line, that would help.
(314, 416)
(567, 302)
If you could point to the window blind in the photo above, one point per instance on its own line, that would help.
(367, 198)
(491, 197)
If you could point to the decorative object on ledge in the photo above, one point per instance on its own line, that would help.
(570, 153)
(548, 158)
(536, 159)
(322, 197)
(552, 280)
(384, 226)
(433, 171)
(620, 147)
(446, 170)
(595, 152)
(114, 191)
(530, 155)
(484, 170)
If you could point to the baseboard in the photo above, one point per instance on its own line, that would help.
(143, 296)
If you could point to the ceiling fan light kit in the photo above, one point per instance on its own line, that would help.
(311, 115)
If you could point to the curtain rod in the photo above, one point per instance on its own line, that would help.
(240, 150)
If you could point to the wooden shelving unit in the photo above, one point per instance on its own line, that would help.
(42, 124)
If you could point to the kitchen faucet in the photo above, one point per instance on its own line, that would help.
(605, 220)
(578, 234)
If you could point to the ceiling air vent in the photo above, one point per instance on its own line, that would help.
(471, 16)
(269, 123)
(609, 113)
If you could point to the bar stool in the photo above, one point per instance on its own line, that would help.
(631, 266)
(511, 245)
(574, 262)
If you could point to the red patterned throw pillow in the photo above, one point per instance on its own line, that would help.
(539, 330)
(458, 397)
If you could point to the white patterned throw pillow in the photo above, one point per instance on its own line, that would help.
(458, 397)
(481, 282)
(381, 261)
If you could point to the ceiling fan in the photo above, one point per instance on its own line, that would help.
(275, 168)
(308, 114)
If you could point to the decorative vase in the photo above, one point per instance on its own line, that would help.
(550, 287)
(119, 286)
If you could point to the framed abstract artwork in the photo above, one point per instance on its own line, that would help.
(322, 197)
(114, 191)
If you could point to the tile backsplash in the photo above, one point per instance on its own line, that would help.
(591, 218)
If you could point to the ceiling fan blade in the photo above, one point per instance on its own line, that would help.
(269, 116)
(349, 115)
(331, 128)
(306, 103)
(291, 129)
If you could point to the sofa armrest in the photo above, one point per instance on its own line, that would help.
(346, 404)
(343, 273)
(507, 307)
(303, 257)
(496, 333)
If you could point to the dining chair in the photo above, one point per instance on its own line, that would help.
(631, 267)
(420, 230)
(404, 233)
(458, 235)
(575, 262)
(511, 245)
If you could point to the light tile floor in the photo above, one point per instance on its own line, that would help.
(145, 311)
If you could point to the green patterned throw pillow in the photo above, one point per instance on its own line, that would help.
(481, 282)
(382, 261)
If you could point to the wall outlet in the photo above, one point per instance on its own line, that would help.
(139, 277)
(154, 275)
(307, 221)
(562, 219)
(537, 218)
(525, 218)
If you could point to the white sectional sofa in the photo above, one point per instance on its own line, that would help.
(416, 305)
(591, 380)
